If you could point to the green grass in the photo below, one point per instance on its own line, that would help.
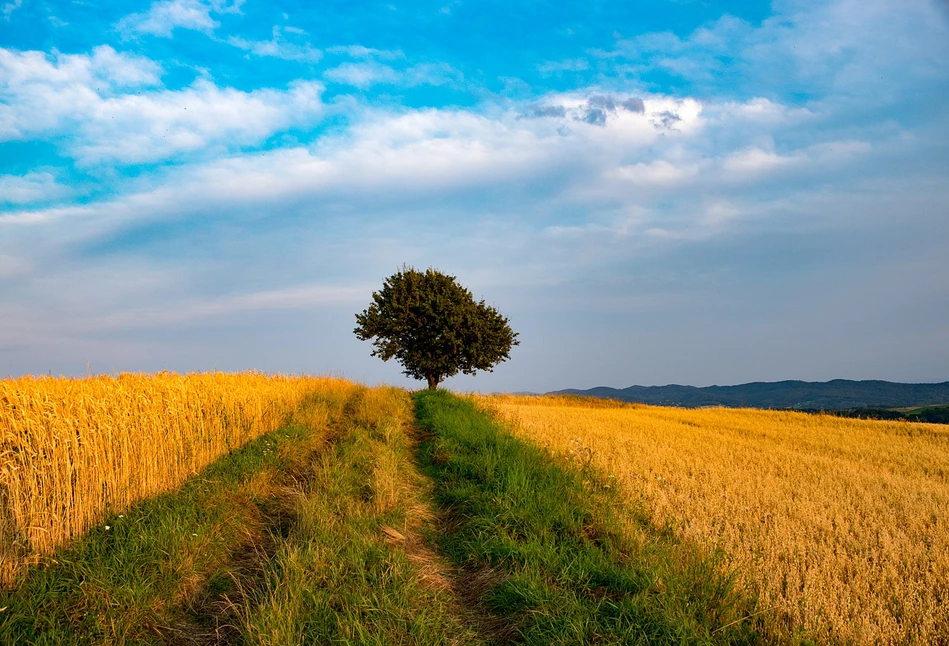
(280, 542)
(149, 567)
(553, 551)
(337, 580)
(285, 542)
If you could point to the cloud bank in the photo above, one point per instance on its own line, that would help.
(736, 201)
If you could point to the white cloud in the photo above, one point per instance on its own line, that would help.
(359, 51)
(177, 312)
(431, 74)
(39, 94)
(762, 112)
(366, 74)
(103, 66)
(387, 157)
(605, 170)
(419, 155)
(755, 161)
(122, 70)
(551, 68)
(719, 212)
(91, 98)
(164, 16)
(279, 46)
(362, 75)
(32, 187)
(159, 125)
(656, 173)
(852, 49)
(10, 7)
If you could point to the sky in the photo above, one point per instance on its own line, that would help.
(653, 192)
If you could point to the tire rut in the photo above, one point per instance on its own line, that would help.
(464, 587)
(210, 617)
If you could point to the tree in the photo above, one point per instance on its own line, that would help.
(434, 327)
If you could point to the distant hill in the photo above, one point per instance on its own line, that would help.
(839, 394)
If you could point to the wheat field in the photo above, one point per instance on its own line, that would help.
(73, 450)
(839, 526)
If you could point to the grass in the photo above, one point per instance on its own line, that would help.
(281, 542)
(71, 450)
(838, 524)
(376, 517)
(338, 578)
(548, 547)
(139, 574)
(920, 409)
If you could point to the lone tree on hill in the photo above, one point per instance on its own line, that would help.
(434, 327)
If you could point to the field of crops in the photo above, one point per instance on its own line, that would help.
(838, 525)
(72, 450)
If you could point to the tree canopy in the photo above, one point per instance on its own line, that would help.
(434, 327)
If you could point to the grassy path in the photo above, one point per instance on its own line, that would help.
(313, 534)
(550, 553)
(354, 568)
(383, 521)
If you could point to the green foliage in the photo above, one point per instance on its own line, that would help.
(928, 414)
(434, 327)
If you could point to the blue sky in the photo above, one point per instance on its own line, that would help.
(663, 191)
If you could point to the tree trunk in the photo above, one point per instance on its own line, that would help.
(432, 381)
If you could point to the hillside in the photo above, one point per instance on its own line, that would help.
(839, 394)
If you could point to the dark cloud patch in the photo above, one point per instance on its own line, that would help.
(634, 104)
(666, 119)
(596, 111)
(541, 111)
(600, 105)
(612, 104)
(603, 101)
(595, 116)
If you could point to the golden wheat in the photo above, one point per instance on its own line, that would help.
(840, 526)
(72, 450)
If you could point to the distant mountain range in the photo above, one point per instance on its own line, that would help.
(839, 394)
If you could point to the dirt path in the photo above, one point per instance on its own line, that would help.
(213, 612)
(435, 571)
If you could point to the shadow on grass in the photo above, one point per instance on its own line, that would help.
(173, 568)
